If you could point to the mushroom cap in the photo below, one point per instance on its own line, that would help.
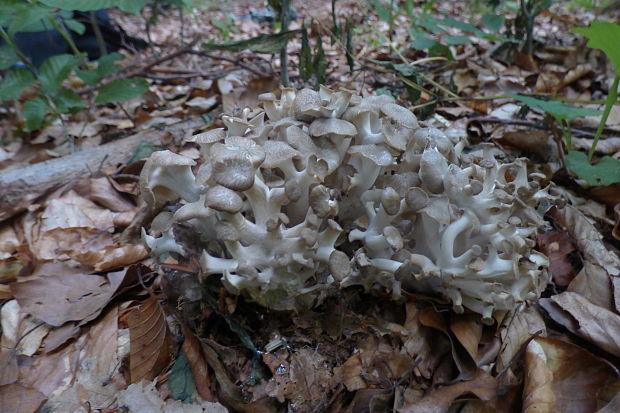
(416, 199)
(305, 100)
(378, 154)
(332, 127)
(168, 158)
(210, 136)
(238, 147)
(399, 115)
(339, 265)
(234, 173)
(223, 199)
(277, 152)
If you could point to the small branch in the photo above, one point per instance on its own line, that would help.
(237, 62)
(103, 50)
(535, 125)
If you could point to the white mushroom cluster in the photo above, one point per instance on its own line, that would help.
(319, 190)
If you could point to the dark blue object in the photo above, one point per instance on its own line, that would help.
(38, 46)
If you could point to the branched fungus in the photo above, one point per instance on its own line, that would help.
(317, 191)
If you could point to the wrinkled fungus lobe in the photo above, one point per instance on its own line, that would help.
(316, 191)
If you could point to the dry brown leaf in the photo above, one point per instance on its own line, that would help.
(112, 256)
(467, 328)
(558, 246)
(101, 191)
(57, 299)
(9, 372)
(150, 340)
(5, 292)
(15, 398)
(418, 343)
(482, 384)
(59, 336)
(587, 238)
(538, 143)
(465, 363)
(198, 364)
(538, 393)
(515, 331)
(350, 373)
(565, 378)
(594, 284)
(591, 322)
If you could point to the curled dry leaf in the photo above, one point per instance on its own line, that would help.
(557, 246)
(594, 284)
(561, 377)
(515, 331)
(467, 328)
(588, 239)
(57, 299)
(150, 340)
(112, 256)
(417, 344)
(200, 368)
(482, 384)
(591, 322)
(101, 191)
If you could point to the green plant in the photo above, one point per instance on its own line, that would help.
(53, 98)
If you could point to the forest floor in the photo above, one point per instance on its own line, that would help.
(91, 323)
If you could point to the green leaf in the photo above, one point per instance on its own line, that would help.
(181, 380)
(129, 6)
(54, 70)
(15, 82)
(90, 77)
(120, 90)
(264, 43)
(557, 109)
(455, 40)
(604, 36)
(383, 12)
(305, 57)
(457, 24)
(605, 172)
(7, 57)
(493, 22)
(75, 25)
(105, 64)
(421, 42)
(67, 101)
(28, 18)
(320, 62)
(34, 112)
(440, 50)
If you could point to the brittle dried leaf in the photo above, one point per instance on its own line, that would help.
(150, 340)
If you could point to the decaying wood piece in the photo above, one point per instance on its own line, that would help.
(20, 187)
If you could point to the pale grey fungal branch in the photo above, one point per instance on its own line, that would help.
(320, 190)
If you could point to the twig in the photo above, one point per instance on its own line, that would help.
(237, 62)
(535, 125)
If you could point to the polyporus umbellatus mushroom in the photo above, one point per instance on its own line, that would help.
(319, 190)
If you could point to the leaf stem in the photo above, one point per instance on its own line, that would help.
(609, 103)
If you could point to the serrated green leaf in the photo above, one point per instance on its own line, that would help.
(7, 57)
(90, 77)
(181, 380)
(264, 43)
(305, 57)
(121, 90)
(105, 64)
(493, 22)
(604, 36)
(605, 172)
(34, 112)
(557, 109)
(129, 6)
(54, 70)
(15, 82)
(67, 101)
(75, 26)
